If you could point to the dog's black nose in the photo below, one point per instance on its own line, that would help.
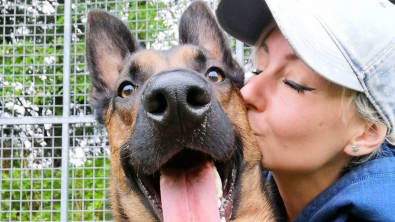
(177, 98)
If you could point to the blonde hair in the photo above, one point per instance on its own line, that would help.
(264, 34)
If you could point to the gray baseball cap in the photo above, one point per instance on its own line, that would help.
(348, 42)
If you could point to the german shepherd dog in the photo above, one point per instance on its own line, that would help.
(181, 146)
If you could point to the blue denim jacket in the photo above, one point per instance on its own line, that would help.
(364, 193)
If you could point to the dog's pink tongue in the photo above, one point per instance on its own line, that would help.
(189, 196)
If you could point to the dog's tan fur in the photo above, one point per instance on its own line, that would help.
(126, 204)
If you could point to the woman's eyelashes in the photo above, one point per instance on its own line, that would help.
(299, 88)
(256, 71)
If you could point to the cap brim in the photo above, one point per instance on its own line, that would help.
(245, 19)
(306, 35)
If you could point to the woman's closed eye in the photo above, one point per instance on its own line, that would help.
(299, 88)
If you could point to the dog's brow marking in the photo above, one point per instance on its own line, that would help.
(181, 58)
(150, 61)
(201, 57)
(134, 68)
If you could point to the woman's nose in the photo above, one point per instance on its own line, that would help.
(253, 93)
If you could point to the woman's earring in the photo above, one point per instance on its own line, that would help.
(355, 148)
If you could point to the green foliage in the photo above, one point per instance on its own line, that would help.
(35, 195)
(88, 190)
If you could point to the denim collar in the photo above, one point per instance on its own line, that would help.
(339, 200)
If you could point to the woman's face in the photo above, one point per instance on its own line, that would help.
(298, 117)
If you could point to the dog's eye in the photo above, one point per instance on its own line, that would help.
(215, 75)
(126, 89)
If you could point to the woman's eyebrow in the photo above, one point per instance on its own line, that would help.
(291, 57)
(265, 47)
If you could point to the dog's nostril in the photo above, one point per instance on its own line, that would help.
(197, 97)
(156, 104)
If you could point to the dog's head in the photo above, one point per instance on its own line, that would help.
(176, 121)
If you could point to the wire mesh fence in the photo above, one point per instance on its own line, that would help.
(54, 156)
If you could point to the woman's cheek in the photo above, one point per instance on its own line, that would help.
(257, 121)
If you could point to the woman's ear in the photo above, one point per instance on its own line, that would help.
(372, 135)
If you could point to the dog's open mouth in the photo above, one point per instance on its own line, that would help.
(191, 186)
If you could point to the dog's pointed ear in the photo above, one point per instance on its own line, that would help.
(108, 42)
(198, 26)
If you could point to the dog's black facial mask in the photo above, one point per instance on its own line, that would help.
(167, 110)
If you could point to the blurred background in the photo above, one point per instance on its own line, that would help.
(53, 154)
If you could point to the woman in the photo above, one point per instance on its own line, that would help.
(322, 104)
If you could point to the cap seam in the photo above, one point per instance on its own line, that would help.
(382, 56)
(381, 109)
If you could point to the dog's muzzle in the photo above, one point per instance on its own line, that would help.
(182, 151)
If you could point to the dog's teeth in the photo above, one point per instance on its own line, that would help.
(218, 182)
(224, 203)
(223, 219)
(224, 184)
(212, 164)
(219, 203)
